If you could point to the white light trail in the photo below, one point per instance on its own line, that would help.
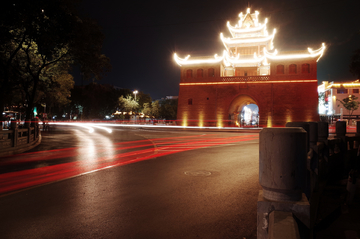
(103, 125)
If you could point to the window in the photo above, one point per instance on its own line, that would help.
(200, 73)
(211, 72)
(189, 74)
(355, 91)
(305, 68)
(189, 101)
(280, 69)
(292, 69)
(342, 91)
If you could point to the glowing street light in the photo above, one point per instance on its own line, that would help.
(135, 92)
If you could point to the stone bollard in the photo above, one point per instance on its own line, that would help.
(313, 137)
(340, 128)
(282, 175)
(323, 131)
(282, 169)
(306, 127)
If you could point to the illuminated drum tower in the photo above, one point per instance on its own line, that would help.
(214, 90)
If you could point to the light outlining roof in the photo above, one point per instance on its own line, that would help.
(249, 40)
(354, 84)
(249, 32)
(257, 29)
(261, 39)
(312, 54)
(250, 82)
(186, 61)
(253, 17)
(228, 60)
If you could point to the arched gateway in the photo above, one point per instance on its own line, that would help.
(250, 71)
(240, 114)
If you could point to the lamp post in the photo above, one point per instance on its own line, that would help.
(135, 92)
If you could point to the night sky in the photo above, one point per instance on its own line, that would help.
(142, 36)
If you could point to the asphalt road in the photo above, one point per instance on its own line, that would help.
(133, 183)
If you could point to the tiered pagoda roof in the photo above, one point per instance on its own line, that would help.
(249, 33)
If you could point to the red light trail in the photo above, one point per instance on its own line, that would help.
(140, 150)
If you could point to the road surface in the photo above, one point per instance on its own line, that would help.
(132, 183)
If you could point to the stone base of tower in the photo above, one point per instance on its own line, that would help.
(218, 104)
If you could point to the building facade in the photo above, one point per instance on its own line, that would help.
(332, 93)
(214, 90)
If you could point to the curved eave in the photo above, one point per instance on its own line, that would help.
(233, 30)
(232, 41)
(312, 54)
(186, 61)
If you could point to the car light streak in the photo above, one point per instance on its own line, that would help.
(73, 152)
(117, 124)
(106, 129)
(32, 177)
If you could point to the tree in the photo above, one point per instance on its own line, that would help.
(57, 92)
(355, 64)
(143, 98)
(169, 109)
(98, 100)
(147, 109)
(128, 103)
(350, 104)
(155, 109)
(40, 38)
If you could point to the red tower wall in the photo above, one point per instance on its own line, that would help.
(281, 98)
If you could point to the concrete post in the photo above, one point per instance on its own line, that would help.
(323, 131)
(313, 133)
(282, 170)
(282, 175)
(306, 127)
(340, 128)
(311, 129)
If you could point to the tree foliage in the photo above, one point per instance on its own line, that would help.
(128, 103)
(169, 109)
(41, 40)
(147, 108)
(350, 103)
(164, 109)
(143, 98)
(155, 109)
(95, 101)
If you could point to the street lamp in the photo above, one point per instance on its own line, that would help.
(135, 92)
